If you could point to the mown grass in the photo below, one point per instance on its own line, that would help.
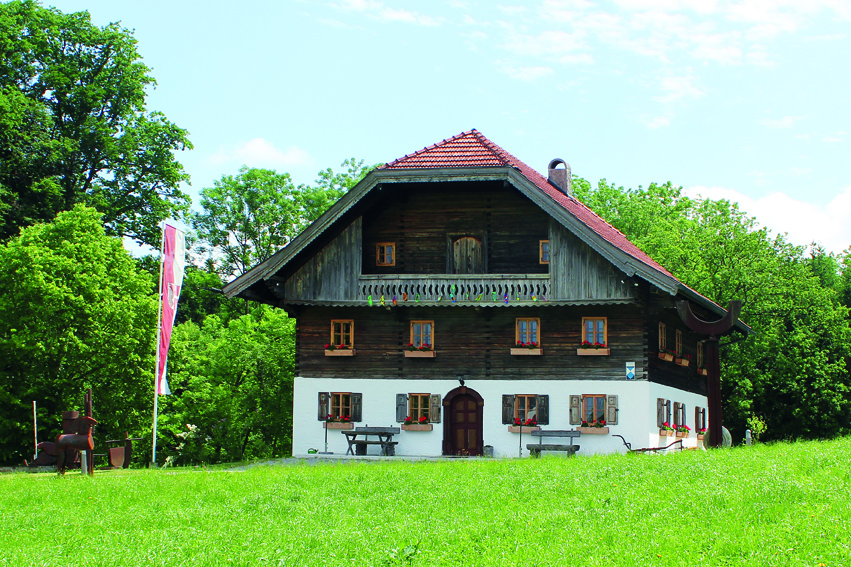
(783, 504)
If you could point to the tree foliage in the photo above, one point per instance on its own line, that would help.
(73, 126)
(75, 313)
(792, 373)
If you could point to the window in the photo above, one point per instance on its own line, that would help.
(679, 343)
(593, 409)
(663, 411)
(418, 406)
(527, 331)
(342, 333)
(422, 333)
(341, 405)
(663, 337)
(544, 251)
(385, 254)
(594, 330)
(701, 362)
(520, 408)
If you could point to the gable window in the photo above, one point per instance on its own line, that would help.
(525, 409)
(544, 251)
(422, 334)
(526, 332)
(342, 333)
(385, 254)
(679, 344)
(594, 331)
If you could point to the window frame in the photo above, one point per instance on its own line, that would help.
(605, 321)
(701, 354)
(536, 320)
(663, 337)
(431, 333)
(594, 407)
(525, 410)
(423, 410)
(541, 251)
(381, 247)
(678, 343)
(338, 397)
(351, 322)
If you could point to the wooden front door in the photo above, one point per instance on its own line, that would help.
(467, 256)
(463, 434)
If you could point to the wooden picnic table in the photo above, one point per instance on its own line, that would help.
(358, 439)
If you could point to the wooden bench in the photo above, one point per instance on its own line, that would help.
(535, 449)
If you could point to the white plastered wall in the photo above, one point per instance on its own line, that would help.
(636, 418)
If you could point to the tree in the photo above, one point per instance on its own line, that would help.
(73, 126)
(792, 374)
(75, 313)
(330, 186)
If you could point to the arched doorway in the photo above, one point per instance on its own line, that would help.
(462, 425)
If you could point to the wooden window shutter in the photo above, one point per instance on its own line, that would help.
(543, 415)
(611, 410)
(508, 409)
(434, 408)
(667, 411)
(660, 412)
(696, 418)
(575, 410)
(683, 414)
(324, 406)
(676, 413)
(401, 407)
(357, 407)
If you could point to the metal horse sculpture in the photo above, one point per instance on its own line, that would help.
(713, 360)
(81, 440)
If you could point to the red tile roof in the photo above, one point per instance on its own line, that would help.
(472, 149)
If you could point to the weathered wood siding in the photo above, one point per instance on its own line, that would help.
(333, 273)
(422, 218)
(578, 272)
(669, 373)
(471, 343)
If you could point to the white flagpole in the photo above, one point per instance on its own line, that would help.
(157, 346)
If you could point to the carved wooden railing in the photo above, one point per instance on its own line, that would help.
(457, 287)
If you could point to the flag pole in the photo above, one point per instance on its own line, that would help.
(157, 347)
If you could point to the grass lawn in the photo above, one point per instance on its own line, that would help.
(782, 504)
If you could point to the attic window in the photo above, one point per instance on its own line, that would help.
(544, 251)
(385, 254)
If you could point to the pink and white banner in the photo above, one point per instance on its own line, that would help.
(174, 262)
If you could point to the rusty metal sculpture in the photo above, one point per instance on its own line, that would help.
(713, 360)
(76, 436)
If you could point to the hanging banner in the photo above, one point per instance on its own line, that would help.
(173, 264)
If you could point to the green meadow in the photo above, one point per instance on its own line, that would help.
(778, 504)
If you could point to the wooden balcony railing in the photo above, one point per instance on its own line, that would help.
(463, 288)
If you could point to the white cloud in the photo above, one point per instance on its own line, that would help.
(261, 153)
(785, 122)
(834, 138)
(527, 73)
(676, 88)
(657, 122)
(803, 222)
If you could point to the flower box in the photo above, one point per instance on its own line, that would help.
(682, 434)
(522, 351)
(417, 427)
(593, 430)
(338, 425)
(666, 433)
(702, 372)
(523, 428)
(666, 356)
(700, 436)
(340, 352)
(419, 354)
(593, 351)
(683, 361)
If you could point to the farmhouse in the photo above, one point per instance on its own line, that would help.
(456, 292)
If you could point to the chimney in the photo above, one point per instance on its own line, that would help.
(560, 177)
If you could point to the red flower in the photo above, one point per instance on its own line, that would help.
(327, 347)
(423, 419)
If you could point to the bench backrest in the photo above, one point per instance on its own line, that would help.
(555, 433)
(393, 430)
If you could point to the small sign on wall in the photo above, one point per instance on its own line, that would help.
(630, 371)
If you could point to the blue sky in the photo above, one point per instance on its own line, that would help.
(746, 100)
